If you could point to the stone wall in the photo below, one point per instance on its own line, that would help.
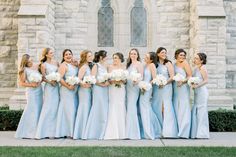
(8, 41)
(230, 9)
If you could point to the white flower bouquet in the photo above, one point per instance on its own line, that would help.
(193, 80)
(35, 77)
(103, 77)
(144, 86)
(54, 76)
(89, 79)
(179, 77)
(160, 80)
(72, 80)
(135, 76)
(119, 75)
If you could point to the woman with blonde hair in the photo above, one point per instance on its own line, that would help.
(30, 78)
(47, 120)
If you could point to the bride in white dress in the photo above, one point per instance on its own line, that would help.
(117, 111)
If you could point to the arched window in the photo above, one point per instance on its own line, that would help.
(138, 25)
(105, 25)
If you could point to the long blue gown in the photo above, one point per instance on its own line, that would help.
(29, 120)
(163, 106)
(200, 122)
(85, 102)
(67, 107)
(97, 121)
(150, 123)
(48, 116)
(132, 96)
(181, 101)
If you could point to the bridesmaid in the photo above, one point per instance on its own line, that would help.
(85, 95)
(117, 112)
(162, 96)
(68, 97)
(181, 97)
(29, 120)
(132, 96)
(150, 123)
(47, 120)
(97, 121)
(200, 122)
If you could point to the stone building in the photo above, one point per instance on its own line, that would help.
(27, 26)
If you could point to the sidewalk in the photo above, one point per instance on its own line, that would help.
(217, 139)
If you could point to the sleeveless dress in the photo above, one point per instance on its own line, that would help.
(117, 113)
(200, 122)
(132, 96)
(163, 101)
(48, 116)
(85, 102)
(67, 107)
(29, 120)
(181, 101)
(150, 123)
(97, 121)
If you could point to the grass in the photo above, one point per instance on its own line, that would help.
(118, 151)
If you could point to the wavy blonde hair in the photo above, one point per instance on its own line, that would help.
(24, 61)
(83, 57)
(43, 57)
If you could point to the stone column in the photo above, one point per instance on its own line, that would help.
(208, 34)
(35, 32)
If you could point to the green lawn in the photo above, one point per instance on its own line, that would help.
(117, 151)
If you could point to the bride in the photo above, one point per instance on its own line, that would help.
(117, 111)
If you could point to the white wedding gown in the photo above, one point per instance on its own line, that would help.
(117, 112)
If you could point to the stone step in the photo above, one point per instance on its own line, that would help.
(5, 94)
(220, 101)
(232, 93)
(18, 100)
(7, 90)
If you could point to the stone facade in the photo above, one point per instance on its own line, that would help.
(8, 41)
(203, 25)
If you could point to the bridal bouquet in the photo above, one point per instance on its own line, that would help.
(72, 80)
(103, 77)
(135, 76)
(54, 76)
(160, 80)
(179, 77)
(144, 86)
(35, 77)
(119, 75)
(193, 80)
(89, 79)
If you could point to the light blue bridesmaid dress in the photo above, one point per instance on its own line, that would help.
(67, 107)
(85, 102)
(97, 121)
(29, 120)
(150, 123)
(48, 116)
(132, 96)
(181, 101)
(162, 100)
(200, 122)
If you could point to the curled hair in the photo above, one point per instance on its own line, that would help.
(129, 61)
(63, 54)
(158, 51)
(203, 57)
(83, 57)
(43, 57)
(153, 57)
(120, 55)
(98, 55)
(178, 51)
(24, 61)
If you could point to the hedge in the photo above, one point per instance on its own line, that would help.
(220, 120)
(9, 119)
